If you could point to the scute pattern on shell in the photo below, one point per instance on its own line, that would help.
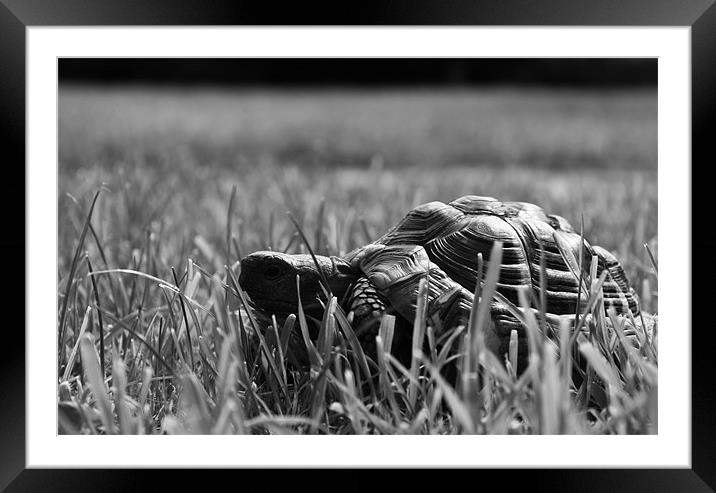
(453, 234)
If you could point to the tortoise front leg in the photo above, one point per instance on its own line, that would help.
(396, 271)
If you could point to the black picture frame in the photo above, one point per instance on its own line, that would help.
(700, 15)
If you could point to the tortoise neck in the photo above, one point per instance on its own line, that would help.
(336, 271)
(339, 275)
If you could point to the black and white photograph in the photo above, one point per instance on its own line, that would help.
(464, 237)
(374, 246)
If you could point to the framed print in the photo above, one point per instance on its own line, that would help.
(426, 232)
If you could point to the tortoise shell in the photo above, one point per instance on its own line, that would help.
(453, 234)
(444, 240)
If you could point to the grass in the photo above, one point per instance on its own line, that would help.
(154, 333)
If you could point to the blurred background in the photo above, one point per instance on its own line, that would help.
(348, 146)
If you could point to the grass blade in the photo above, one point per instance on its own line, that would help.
(229, 214)
(314, 357)
(186, 319)
(94, 380)
(99, 315)
(478, 326)
(355, 345)
(141, 339)
(119, 385)
(324, 282)
(71, 276)
(386, 331)
(459, 411)
(600, 365)
(513, 353)
(652, 259)
(418, 333)
(73, 355)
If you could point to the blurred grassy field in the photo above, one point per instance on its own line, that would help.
(169, 159)
(347, 164)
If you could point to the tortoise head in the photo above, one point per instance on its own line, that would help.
(270, 280)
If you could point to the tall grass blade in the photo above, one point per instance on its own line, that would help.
(186, 319)
(600, 364)
(272, 363)
(99, 315)
(94, 380)
(237, 248)
(71, 276)
(226, 373)
(196, 408)
(543, 286)
(459, 411)
(580, 282)
(280, 358)
(652, 259)
(229, 215)
(286, 331)
(355, 345)
(386, 331)
(141, 339)
(513, 353)
(468, 363)
(324, 282)
(290, 242)
(385, 380)
(534, 336)
(102, 255)
(550, 396)
(481, 334)
(349, 398)
(418, 333)
(119, 385)
(565, 352)
(479, 326)
(146, 385)
(447, 346)
(565, 250)
(594, 296)
(73, 355)
(314, 357)
(161, 284)
(495, 368)
(319, 225)
(327, 331)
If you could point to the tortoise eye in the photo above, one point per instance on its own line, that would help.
(272, 272)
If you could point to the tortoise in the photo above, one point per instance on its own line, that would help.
(441, 242)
